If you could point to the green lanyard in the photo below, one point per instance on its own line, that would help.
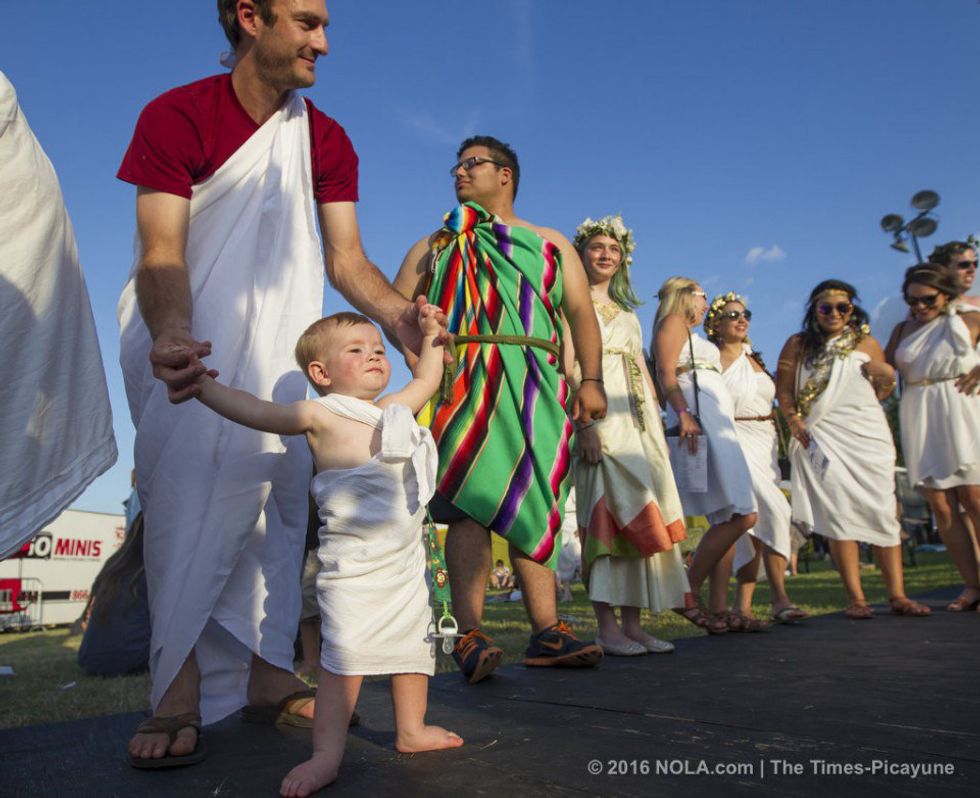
(446, 627)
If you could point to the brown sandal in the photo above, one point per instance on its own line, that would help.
(737, 622)
(285, 712)
(859, 611)
(695, 612)
(170, 725)
(908, 608)
(962, 604)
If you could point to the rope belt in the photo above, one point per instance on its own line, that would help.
(770, 417)
(930, 381)
(634, 375)
(449, 372)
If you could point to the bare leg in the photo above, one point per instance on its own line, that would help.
(714, 545)
(537, 590)
(845, 554)
(183, 695)
(721, 576)
(746, 581)
(268, 685)
(335, 699)
(775, 565)
(468, 558)
(409, 697)
(608, 625)
(956, 536)
(309, 635)
(889, 559)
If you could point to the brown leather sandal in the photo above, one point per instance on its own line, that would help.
(170, 725)
(737, 622)
(908, 608)
(859, 611)
(695, 612)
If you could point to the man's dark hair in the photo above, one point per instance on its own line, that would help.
(944, 253)
(228, 17)
(498, 151)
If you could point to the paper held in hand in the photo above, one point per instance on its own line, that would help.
(690, 470)
(817, 458)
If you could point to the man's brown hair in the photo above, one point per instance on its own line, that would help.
(310, 345)
(944, 253)
(228, 17)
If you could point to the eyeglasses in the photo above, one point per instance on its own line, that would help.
(700, 294)
(928, 300)
(469, 163)
(966, 264)
(826, 308)
(735, 315)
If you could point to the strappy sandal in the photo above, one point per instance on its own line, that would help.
(695, 612)
(859, 611)
(737, 622)
(170, 725)
(908, 608)
(962, 604)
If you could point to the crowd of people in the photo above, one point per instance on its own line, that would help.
(528, 367)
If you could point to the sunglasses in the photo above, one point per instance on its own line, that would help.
(735, 315)
(474, 161)
(928, 301)
(966, 264)
(826, 308)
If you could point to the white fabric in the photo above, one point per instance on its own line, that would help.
(56, 424)
(729, 482)
(753, 393)
(225, 506)
(855, 498)
(940, 425)
(570, 555)
(375, 616)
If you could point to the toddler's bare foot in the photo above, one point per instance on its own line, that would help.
(318, 771)
(427, 738)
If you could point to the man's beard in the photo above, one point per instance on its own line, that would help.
(281, 71)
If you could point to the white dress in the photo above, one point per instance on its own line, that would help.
(854, 499)
(375, 616)
(940, 425)
(729, 482)
(753, 393)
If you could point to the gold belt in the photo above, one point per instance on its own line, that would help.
(770, 417)
(704, 366)
(634, 376)
(930, 381)
(449, 372)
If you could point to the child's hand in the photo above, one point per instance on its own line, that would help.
(428, 320)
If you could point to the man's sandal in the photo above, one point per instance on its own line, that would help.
(695, 612)
(170, 725)
(908, 608)
(286, 712)
(859, 611)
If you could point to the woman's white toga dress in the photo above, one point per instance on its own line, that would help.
(752, 394)
(729, 482)
(940, 425)
(375, 616)
(854, 498)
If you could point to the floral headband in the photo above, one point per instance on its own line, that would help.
(714, 309)
(611, 226)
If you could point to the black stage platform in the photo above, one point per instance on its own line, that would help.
(794, 712)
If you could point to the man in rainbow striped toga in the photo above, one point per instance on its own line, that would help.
(501, 422)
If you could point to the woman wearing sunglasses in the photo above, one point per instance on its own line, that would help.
(628, 508)
(831, 378)
(935, 351)
(700, 408)
(753, 390)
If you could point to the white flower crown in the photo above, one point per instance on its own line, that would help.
(611, 226)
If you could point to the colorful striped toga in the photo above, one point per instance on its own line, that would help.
(501, 427)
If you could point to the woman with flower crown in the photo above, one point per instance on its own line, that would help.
(753, 390)
(628, 509)
(831, 378)
(936, 352)
(700, 407)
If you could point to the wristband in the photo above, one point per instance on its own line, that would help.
(684, 410)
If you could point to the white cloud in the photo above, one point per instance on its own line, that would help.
(431, 129)
(772, 254)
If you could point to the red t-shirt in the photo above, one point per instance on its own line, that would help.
(184, 135)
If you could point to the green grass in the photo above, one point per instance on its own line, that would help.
(45, 662)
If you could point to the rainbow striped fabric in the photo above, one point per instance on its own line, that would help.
(503, 435)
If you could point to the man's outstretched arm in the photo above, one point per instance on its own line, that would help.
(164, 294)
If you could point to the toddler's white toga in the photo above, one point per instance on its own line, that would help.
(374, 599)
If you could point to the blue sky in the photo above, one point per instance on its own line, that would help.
(719, 129)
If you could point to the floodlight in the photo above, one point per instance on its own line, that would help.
(923, 227)
(892, 223)
(925, 200)
(900, 245)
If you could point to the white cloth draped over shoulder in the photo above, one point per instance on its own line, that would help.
(374, 600)
(855, 497)
(56, 424)
(753, 393)
(940, 425)
(729, 482)
(225, 507)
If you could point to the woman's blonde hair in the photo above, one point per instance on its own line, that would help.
(676, 295)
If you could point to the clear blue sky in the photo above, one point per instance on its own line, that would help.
(717, 127)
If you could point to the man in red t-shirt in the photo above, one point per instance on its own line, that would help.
(206, 155)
